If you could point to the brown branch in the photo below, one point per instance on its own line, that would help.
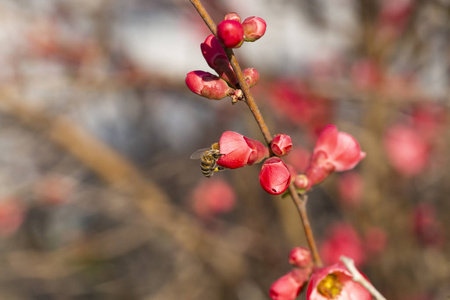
(122, 175)
(300, 203)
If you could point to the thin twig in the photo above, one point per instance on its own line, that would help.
(300, 202)
(359, 278)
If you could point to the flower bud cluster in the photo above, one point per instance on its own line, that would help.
(230, 34)
(334, 151)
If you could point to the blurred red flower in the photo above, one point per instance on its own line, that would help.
(342, 239)
(212, 197)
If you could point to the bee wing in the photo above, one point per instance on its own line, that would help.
(199, 153)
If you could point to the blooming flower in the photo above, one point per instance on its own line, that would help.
(335, 282)
(274, 176)
(240, 151)
(334, 151)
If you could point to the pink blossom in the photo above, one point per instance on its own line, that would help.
(281, 144)
(407, 151)
(239, 151)
(288, 286)
(334, 151)
(300, 257)
(274, 176)
(207, 85)
(254, 28)
(212, 197)
(230, 33)
(217, 59)
(342, 239)
(335, 282)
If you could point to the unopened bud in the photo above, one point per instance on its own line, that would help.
(281, 144)
(232, 16)
(251, 76)
(274, 176)
(300, 257)
(207, 85)
(217, 59)
(301, 182)
(230, 33)
(254, 28)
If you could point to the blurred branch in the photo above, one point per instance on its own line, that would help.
(122, 175)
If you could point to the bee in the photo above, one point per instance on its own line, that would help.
(208, 159)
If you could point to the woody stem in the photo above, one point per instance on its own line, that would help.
(299, 200)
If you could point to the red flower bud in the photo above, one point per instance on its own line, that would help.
(281, 144)
(239, 151)
(232, 16)
(334, 151)
(335, 282)
(300, 257)
(254, 28)
(217, 59)
(342, 239)
(230, 33)
(288, 286)
(251, 76)
(207, 85)
(274, 176)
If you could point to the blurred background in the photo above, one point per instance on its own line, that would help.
(98, 196)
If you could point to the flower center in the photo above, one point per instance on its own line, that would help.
(330, 286)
